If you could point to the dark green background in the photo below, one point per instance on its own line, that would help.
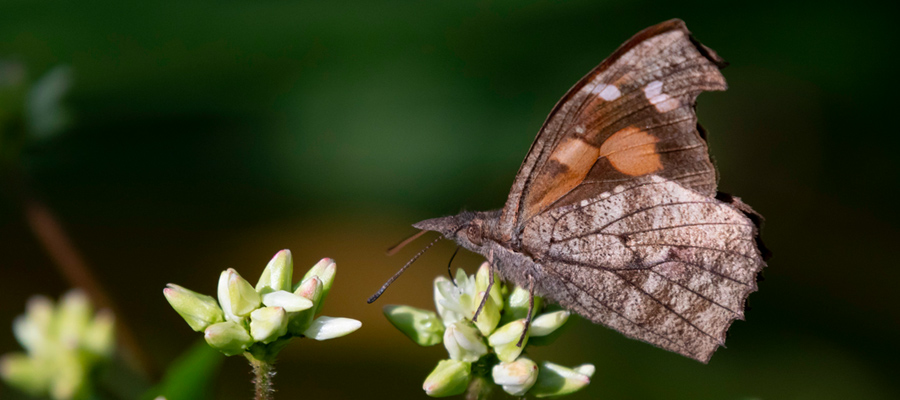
(209, 135)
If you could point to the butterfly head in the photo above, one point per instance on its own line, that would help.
(470, 229)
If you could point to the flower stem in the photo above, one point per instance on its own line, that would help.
(479, 389)
(263, 371)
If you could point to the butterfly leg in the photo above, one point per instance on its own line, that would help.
(449, 272)
(530, 309)
(487, 292)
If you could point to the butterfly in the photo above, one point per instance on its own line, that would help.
(614, 213)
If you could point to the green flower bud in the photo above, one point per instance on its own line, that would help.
(422, 326)
(100, 336)
(309, 289)
(505, 339)
(236, 296)
(229, 337)
(545, 324)
(489, 316)
(21, 371)
(449, 378)
(482, 280)
(198, 310)
(268, 324)
(516, 377)
(442, 284)
(324, 328)
(73, 317)
(517, 304)
(464, 342)
(556, 380)
(287, 300)
(277, 275)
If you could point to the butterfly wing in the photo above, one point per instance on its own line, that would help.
(655, 261)
(631, 116)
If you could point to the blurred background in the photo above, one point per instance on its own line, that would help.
(207, 135)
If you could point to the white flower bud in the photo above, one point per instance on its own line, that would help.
(268, 324)
(545, 324)
(448, 316)
(516, 377)
(277, 274)
(287, 300)
(324, 328)
(464, 342)
(236, 296)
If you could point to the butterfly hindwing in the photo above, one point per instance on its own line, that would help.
(631, 116)
(655, 261)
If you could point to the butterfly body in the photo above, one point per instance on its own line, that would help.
(614, 213)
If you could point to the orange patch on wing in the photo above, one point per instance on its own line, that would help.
(632, 151)
(569, 165)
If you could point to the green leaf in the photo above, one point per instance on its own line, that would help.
(191, 376)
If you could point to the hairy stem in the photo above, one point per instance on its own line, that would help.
(263, 371)
(479, 389)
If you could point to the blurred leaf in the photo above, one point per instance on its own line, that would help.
(45, 112)
(191, 376)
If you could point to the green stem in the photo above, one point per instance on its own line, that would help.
(479, 389)
(263, 371)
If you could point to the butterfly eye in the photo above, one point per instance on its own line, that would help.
(474, 234)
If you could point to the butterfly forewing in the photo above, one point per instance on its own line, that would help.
(655, 261)
(631, 116)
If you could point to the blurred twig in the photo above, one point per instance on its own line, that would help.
(69, 262)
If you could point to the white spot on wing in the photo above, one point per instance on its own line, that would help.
(604, 195)
(619, 189)
(667, 105)
(579, 129)
(584, 203)
(653, 89)
(660, 100)
(609, 92)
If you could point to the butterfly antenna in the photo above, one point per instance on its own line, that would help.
(395, 248)
(397, 275)
(452, 279)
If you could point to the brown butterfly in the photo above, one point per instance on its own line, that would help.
(614, 214)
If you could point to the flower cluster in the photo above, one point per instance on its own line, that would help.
(488, 346)
(261, 320)
(63, 345)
